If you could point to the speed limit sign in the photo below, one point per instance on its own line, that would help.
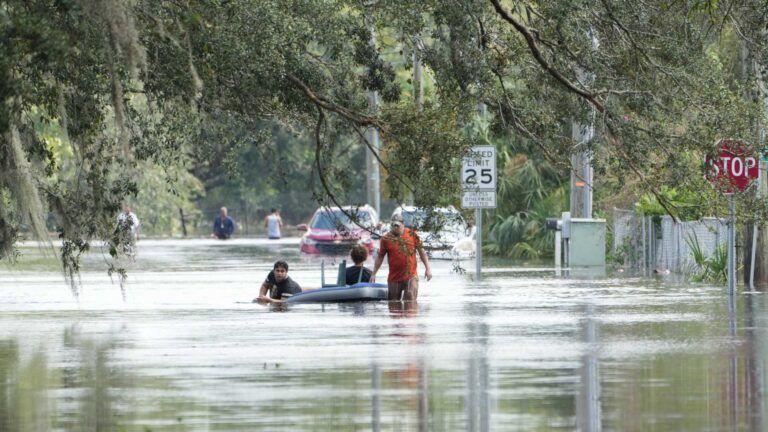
(478, 178)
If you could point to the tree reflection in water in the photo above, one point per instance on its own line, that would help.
(78, 388)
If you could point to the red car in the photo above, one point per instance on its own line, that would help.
(331, 231)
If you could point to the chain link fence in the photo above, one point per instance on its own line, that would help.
(649, 243)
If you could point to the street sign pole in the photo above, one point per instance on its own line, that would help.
(478, 243)
(752, 261)
(731, 246)
(732, 170)
(478, 191)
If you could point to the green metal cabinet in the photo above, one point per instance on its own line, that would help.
(587, 244)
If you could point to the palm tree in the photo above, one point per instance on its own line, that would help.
(529, 190)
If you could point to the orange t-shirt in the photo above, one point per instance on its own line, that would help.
(401, 255)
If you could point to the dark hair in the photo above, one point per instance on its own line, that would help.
(272, 210)
(359, 254)
(281, 264)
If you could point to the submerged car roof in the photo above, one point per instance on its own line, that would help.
(413, 209)
(345, 208)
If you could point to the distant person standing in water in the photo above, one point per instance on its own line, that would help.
(223, 225)
(273, 222)
(128, 222)
(128, 231)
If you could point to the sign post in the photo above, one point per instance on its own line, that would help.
(478, 191)
(732, 171)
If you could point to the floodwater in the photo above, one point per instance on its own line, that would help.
(182, 349)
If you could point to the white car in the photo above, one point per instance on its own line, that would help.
(439, 229)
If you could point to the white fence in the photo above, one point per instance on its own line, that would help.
(663, 244)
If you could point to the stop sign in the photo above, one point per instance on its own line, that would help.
(734, 168)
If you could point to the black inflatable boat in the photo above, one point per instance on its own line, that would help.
(340, 292)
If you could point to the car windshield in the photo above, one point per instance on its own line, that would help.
(331, 220)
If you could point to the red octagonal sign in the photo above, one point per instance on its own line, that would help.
(734, 168)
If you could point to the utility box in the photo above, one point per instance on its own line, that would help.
(587, 243)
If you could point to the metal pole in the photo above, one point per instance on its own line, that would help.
(752, 258)
(558, 252)
(478, 242)
(418, 80)
(588, 170)
(371, 164)
(652, 241)
(372, 136)
(645, 259)
(731, 246)
(754, 228)
(582, 177)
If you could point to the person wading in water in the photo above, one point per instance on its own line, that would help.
(400, 246)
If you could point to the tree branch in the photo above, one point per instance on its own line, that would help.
(534, 48)
(323, 181)
(321, 101)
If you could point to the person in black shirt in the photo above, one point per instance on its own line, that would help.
(277, 283)
(357, 273)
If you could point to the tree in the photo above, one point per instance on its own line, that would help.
(307, 65)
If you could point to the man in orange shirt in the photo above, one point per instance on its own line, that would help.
(400, 245)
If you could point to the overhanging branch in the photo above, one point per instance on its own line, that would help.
(537, 54)
(322, 102)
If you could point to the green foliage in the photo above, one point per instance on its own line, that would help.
(530, 190)
(686, 205)
(265, 165)
(265, 101)
(707, 268)
(163, 195)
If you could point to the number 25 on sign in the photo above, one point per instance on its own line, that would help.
(478, 169)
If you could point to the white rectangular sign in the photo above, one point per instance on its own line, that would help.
(478, 178)
(478, 199)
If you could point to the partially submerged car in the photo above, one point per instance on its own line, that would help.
(439, 228)
(335, 230)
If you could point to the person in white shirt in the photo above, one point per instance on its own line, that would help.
(128, 223)
(273, 222)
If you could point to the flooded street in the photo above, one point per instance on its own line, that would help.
(520, 350)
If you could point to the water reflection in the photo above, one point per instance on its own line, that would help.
(754, 365)
(518, 351)
(588, 409)
(412, 375)
(10, 378)
(745, 385)
(476, 399)
(83, 381)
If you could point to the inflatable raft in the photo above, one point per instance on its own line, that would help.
(340, 292)
(363, 291)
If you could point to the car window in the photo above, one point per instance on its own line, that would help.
(332, 220)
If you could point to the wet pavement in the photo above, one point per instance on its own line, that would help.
(183, 349)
